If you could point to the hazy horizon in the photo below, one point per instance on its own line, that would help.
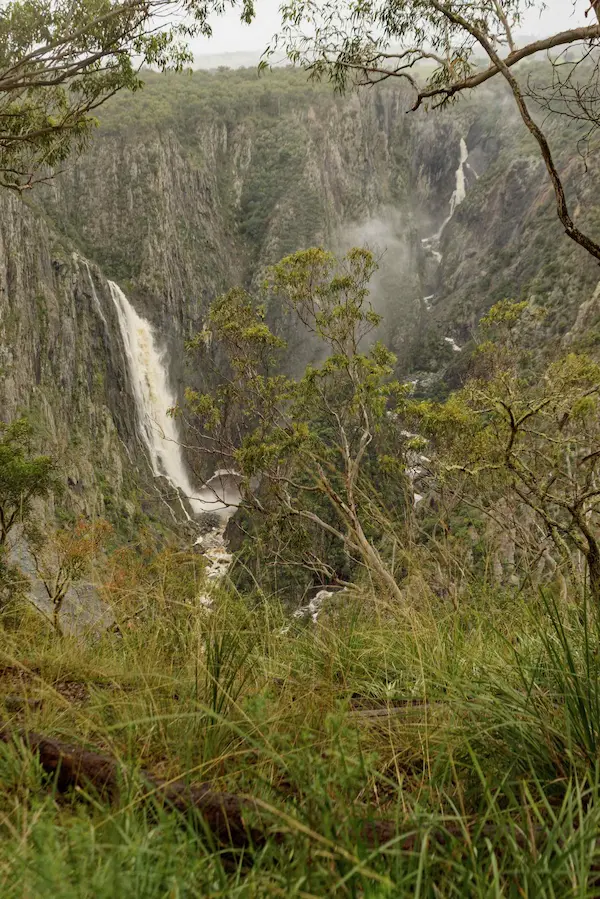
(232, 36)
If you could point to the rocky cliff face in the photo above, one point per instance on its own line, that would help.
(200, 182)
(178, 214)
(59, 356)
(63, 365)
(504, 240)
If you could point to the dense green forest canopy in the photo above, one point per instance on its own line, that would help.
(185, 101)
(60, 60)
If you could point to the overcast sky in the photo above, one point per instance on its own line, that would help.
(231, 36)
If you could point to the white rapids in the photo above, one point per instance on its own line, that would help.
(451, 341)
(460, 191)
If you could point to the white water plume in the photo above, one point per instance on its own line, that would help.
(460, 191)
(221, 493)
(153, 398)
(386, 236)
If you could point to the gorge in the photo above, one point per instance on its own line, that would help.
(299, 452)
(191, 202)
(198, 185)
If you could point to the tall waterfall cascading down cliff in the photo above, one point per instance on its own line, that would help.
(460, 190)
(431, 244)
(154, 397)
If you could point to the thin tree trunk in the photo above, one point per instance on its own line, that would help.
(375, 564)
(57, 603)
(592, 557)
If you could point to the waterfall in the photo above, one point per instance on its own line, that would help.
(460, 190)
(153, 398)
(431, 244)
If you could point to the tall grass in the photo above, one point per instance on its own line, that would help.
(484, 767)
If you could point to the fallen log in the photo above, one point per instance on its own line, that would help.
(74, 767)
(390, 712)
(223, 814)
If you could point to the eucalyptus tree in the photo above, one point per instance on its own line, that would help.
(520, 444)
(373, 41)
(321, 456)
(24, 476)
(62, 59)
(65, 557)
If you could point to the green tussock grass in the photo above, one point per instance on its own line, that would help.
(488, 772)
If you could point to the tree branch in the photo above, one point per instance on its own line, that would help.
(563, 38)
(571, 229)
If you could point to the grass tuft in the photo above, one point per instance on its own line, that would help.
(472, 753)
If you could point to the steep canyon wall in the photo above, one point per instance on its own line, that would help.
(200, 182)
